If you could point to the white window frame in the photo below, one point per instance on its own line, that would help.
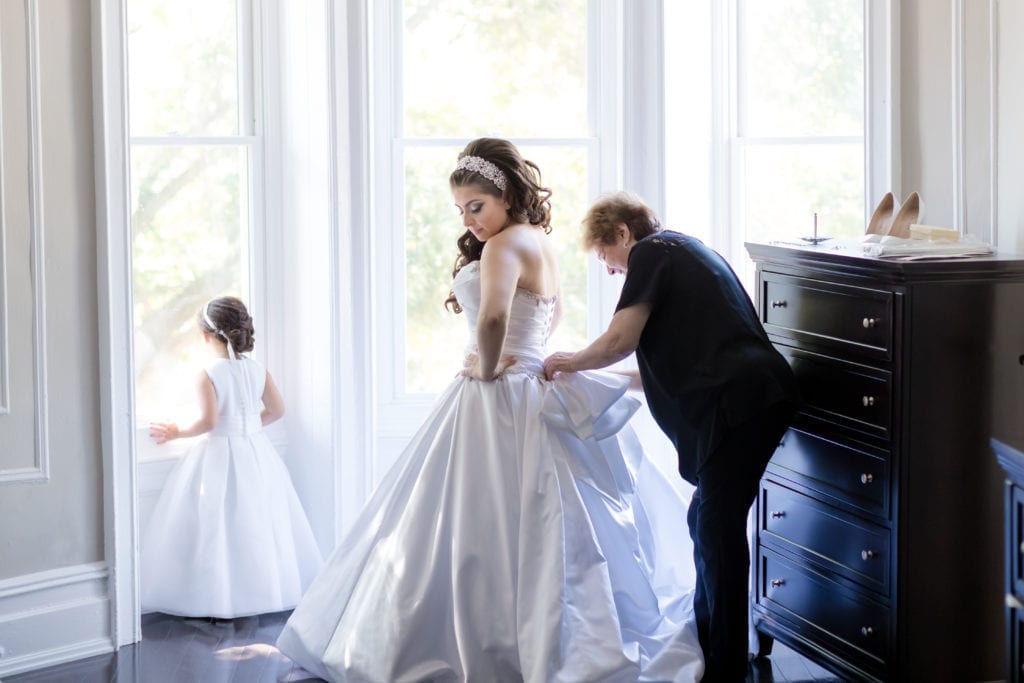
(120, 435)
(398, 414)
(881, 119)
(250, 137)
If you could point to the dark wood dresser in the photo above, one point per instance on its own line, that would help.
(877, 546)
(1012, 461)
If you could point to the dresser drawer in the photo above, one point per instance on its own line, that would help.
(855, 395)
(851, 475)
(835, 612)
(835, 316)
(1015, 657)
(851, 546)
(1015, 539)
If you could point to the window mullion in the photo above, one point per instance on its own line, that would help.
(801, 140)
(245, 75)
(723, 89)
(192, 141)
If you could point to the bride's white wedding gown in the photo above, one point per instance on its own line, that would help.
(512, 540)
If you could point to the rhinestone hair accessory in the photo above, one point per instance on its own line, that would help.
(484, 168)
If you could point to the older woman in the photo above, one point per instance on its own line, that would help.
(714, 384)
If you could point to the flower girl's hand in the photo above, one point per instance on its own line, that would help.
(163, 431)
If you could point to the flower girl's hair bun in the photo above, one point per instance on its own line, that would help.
(228, 318)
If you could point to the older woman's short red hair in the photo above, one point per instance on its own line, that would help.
(600, 225)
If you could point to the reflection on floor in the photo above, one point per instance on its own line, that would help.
(242, 651)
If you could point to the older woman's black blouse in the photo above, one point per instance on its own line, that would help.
(705, 361)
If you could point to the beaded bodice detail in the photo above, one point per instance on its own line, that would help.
(529, 321)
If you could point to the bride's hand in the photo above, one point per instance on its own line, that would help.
(471, 368)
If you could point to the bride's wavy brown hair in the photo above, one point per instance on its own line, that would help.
(528, 200)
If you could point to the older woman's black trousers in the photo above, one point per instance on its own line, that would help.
(726, 487)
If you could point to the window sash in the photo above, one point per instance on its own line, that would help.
(251, 139)
(389, 151)
(880, 129)
(397, 412)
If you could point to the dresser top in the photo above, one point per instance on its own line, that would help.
(1010, 458)
(845, 257)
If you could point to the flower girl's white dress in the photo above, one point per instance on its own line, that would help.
(511, 541)
(228, 536)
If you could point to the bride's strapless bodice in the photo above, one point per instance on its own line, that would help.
(529, 321)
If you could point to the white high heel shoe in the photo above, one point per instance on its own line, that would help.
(881, 219)
(912, 211)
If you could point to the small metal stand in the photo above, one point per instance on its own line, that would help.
(815, 239)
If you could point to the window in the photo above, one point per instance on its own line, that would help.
(445, 72)
(688, 116)
(774, 107)
(456, 59)
(799, 126)
(194, 157)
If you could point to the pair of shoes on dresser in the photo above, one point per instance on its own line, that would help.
(888, 220)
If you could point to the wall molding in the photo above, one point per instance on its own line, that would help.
(54, 616)
(993, 109)
(5, 392)
(39, 471)
(881, 101)
(975, 133)
(958, 49)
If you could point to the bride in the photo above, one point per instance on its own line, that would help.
(520, 536)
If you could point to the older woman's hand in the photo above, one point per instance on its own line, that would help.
(560, 361)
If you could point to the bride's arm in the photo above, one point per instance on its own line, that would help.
(499, 272)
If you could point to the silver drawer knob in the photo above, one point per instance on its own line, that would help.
(1012, 602)
(867, 478)
(1022, 548)
(778, 582)
(868, 401)
(867, 631)
(868, 554)
(868, 323)
(777, 514)
(781, 303)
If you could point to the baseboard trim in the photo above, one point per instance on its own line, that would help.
(53, 617)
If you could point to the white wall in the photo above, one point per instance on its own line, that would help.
(53, 601)
(1011, 133)
(59, 520)
(950, 76)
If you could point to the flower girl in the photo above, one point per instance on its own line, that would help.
(228, 536)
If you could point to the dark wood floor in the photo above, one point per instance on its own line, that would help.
(242, 651)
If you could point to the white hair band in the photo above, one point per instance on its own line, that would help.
(220, 333)
(484, 168)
